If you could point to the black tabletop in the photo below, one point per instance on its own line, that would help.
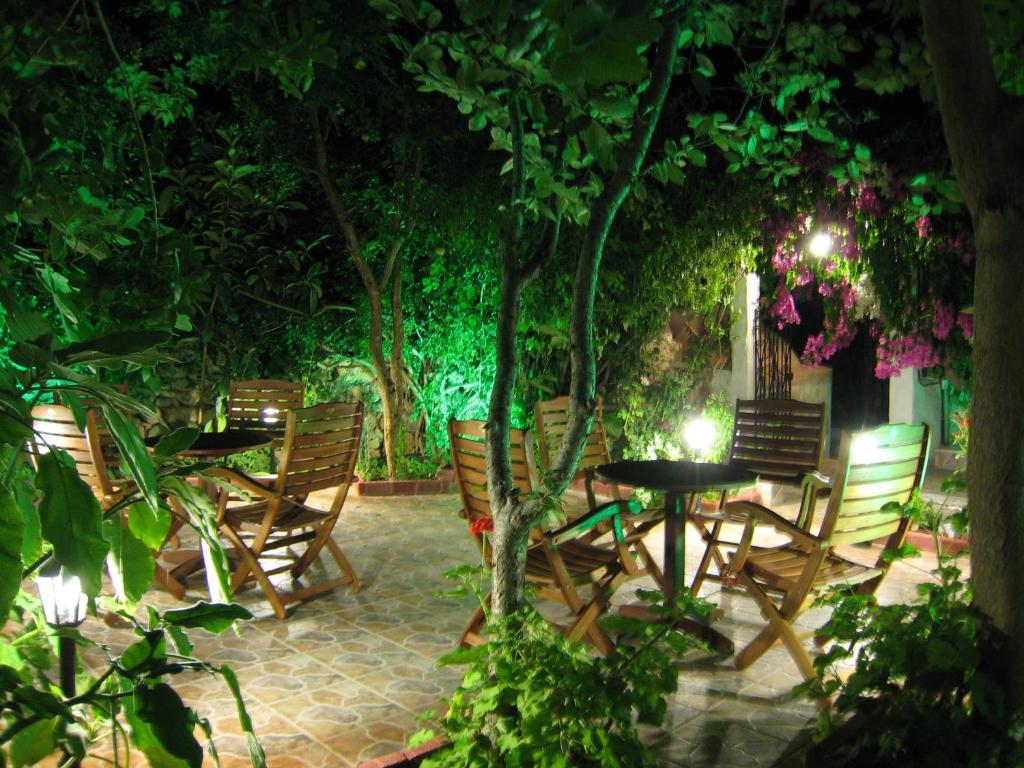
(222, 443)
(679, 476)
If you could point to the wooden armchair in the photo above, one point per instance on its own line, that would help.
(780, 440)
(551, 419)
(876, 468)
(320, 448)
(92, 449)
(263, 405)
(558, 563)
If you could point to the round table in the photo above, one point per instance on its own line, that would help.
(683, 482)
(216, 445)
(207, 445)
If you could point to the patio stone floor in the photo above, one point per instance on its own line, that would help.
(343, 679)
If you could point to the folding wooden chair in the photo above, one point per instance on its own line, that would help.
(878, 471)
(320, 448)
(558, 563)
(780, 440)
(551, 420)
(54, 426)
(263, 405)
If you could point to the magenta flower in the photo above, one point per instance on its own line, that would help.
(966, 322)
(924, 226)
(784, 308)
(942, 321)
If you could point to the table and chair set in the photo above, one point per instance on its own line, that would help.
(580, 564)
(778, 441)
(267, 522)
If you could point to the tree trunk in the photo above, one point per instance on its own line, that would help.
(984, 129)
(513, 517)
(389, 376)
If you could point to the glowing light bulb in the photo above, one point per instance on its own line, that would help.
(699, 434)
(821, 244)
(863, 449)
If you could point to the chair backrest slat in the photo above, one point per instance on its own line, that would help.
(877, 467)
(469, 461)
(263, 404)
(781, 440)
(551, 418)
(320, 448)
(55, 427)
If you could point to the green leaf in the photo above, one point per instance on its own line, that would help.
(114, 349)
(145, 654)
(161, 728)
(13, 528)
(256, 756)
(130, 562)
(133, 453)
(213, 617)
(149, 525)
(172, 722)
(14, 430)
(613, 61)
(71, 519)
(34, 743)
(177, 441)
(23, 324)
(823, 135)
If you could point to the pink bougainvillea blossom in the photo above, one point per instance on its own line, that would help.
(784, 259)
(924, 226)
(803, 275)
(912, 350)
(867, 201)
(966, 322)
(784, 308)
(942, 320)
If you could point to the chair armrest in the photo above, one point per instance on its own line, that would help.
(817, 479)
(756, 513)
(241, 481)
(610, 510)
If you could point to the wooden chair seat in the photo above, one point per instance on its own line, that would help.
(781, 441)
(558, 563)
(877, 474)
(780, 568)
(581, 561)
(551, 419)
(320, 448)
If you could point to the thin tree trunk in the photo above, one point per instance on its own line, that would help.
(984, 129)
(514, 517)
(389, 376)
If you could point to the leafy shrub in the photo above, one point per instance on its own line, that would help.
(530, 697)
(919, 687)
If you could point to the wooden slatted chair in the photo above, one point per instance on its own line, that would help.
(263, 405)
(320, 448)
(54, 426)
(782, 441)
(551, 420)
(876, 467)
(558, 563)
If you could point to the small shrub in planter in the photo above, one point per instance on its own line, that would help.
(530, 697)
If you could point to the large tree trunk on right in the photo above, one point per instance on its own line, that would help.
(984, 128)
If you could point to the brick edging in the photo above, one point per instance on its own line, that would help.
(408, 757)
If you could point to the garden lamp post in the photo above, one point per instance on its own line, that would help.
(63, 602)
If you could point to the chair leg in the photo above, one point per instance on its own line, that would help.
(471, 632)
(711, 552)
(779, 627)
(250, 563)
(344, 564)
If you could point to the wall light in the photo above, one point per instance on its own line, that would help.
(863, 449)
(821, 244)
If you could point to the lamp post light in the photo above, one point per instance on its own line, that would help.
(699, 435)
(63, 602)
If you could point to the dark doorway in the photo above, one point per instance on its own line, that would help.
(859, 400)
